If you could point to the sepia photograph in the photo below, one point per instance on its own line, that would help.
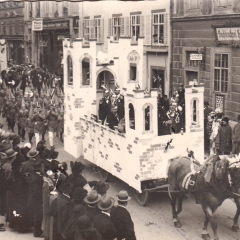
(120, 120)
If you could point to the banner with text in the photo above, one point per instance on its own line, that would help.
(228, 34)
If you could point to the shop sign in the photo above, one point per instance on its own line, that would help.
(53, 25)
(195, 57)
(37, 24)
(228, 34)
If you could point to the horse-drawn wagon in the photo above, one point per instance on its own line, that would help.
(139, 157)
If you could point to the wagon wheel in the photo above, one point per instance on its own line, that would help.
(104, 175)
(141, 198)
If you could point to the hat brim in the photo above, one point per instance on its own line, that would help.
(123, 200)
(14, 154)
(33, 155)
(109, 207)
(93, 202)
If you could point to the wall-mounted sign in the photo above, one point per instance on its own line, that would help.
(195, 56)
(54, 25)
(37, 24)
(228, 34)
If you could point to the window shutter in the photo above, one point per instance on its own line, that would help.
(80, 29)
(165, 28)
(91, 27)
(142, 25)
(126, 27)
(148, 27)
(122, 26)
(101, 30)
(110, 27)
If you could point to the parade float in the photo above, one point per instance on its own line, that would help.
(139, 157)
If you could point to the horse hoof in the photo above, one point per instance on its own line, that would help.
(206, 236)
(177, 224)
(235, 228)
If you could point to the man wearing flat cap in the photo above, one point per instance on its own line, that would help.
(102, 222)
(236, 137)
(121, 218)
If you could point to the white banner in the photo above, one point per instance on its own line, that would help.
(195, 56)
(37, 24)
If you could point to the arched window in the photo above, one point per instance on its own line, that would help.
(194, 112)
(147, 118)
(86, 71)
(131, 116)
(70, 70)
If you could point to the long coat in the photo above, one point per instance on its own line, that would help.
(225, 138)
(105, 226)
(38, 120)
(52, 121)
(123, 223)
(236, 139)
(22, 118)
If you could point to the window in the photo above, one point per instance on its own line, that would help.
(158, 28)
(70, 70)
(86, 32)
(86, 71)
(97, 28)
(135, 26)
(147, 118)
(222, 3)
(193, 4)
(221, 72)
(133, 71)
(116, 28)
(131, 116)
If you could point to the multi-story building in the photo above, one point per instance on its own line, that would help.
(205, 48)
(12, 30)
(60, 20)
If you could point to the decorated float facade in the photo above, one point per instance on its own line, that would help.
(139, 156)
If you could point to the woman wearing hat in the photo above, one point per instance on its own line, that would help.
(121, 218)
(236, 137)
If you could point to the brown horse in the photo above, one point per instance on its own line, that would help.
(210, 192)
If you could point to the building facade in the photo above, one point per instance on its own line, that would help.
(205, 49)
(12, 31)
(60, 20)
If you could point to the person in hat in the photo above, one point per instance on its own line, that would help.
(52, 117)
(104, 106)
(18, 200)
(30, 125)
(27, 165)
(102, 222)
(101, 187)
(79, 195)
(38, 118)
(50, 162)
(60, 125)
(85, 230)
(121, 218)
(92, 200)
(112, 117)
(207, 111)
(225, 135)
(75, 178)
(181, 96)
(10, 156)
(24, 151)
(35, 197)
(171, 119)
(22, 120)
(215, 137)
(236, 137)
(71, 224)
